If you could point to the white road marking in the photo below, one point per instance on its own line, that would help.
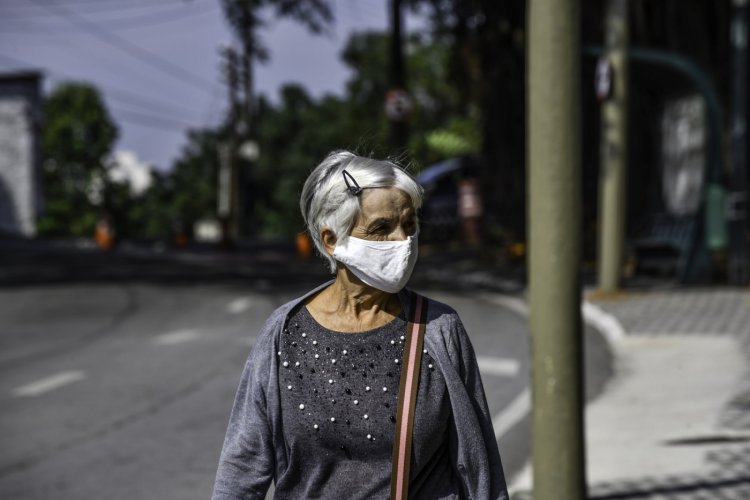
(520, 407)
(49, 383)
(512, 414)
(502, 367)
(177, 337)
(240, 305)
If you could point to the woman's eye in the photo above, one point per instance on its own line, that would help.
(379, 230)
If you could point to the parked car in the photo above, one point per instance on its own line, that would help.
(440, 219)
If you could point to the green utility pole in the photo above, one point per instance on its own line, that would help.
(554, 215)
(614, 149)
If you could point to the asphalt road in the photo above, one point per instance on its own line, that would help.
(123, 391)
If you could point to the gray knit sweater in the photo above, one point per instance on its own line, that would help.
(256, 448)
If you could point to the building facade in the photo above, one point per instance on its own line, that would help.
(20, 155)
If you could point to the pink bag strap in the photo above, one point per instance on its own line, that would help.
(407, 398)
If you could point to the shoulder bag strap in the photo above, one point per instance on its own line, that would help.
(407, 398)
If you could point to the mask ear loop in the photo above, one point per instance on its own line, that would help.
(353, 189)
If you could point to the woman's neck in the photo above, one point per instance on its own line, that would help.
(349, 305)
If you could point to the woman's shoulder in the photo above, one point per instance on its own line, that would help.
(438, 311)
(277, 319)
(445, 332)
(266, 341)
(439, 308)
(279, 316)
(442, 319)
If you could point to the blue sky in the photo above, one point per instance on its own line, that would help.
(157, 63)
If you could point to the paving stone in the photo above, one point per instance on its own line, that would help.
(691, 311)
(699, 312)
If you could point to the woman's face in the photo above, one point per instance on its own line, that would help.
(387, 214)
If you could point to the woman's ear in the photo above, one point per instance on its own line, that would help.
(328, 239)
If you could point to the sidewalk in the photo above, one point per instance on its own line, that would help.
(674, 422)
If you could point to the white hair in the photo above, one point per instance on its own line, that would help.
(326, 202)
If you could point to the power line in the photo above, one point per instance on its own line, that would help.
(104, 62)
(94, 7)
(138, 118)
(114, 93)
(136, 100)
(140, 21)
(152, 121)
(122, 44)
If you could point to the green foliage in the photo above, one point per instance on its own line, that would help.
(78, 135)
(459, 137)
(245, 16)
(77, 142)
(298, 132)
(294, 134)
(78, 128)
(485, 41)
(193, 181)
(149, 215)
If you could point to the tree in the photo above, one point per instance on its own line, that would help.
(486, 67)
(192, 184)
(299, 131)
(77, 138)
(244, 18)
(295, 135)
(150, 215)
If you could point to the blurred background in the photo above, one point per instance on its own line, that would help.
(151, 160)
(196, 122)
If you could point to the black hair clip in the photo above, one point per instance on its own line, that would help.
(355, 189)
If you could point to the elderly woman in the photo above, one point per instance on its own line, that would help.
(324, 407)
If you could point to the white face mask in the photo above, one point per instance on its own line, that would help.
(385, 265)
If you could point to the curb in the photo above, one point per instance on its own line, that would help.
(604, 323)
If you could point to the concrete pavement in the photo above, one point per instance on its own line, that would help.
(673, 423)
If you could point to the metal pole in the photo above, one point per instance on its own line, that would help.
(614, 151)
(738, 198)
(228, 157)
(398, 73)
(244, 119)
(554, 209)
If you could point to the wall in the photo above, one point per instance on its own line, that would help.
(20, 159)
